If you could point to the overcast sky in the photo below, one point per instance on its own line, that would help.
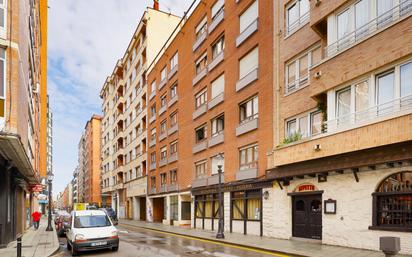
(86, 38)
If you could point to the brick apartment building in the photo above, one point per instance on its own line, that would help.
(205, 93)
(124, 124)
(23, 110)
(342, 154)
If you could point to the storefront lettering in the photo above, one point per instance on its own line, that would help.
(305, 187)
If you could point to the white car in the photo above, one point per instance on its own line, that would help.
(91, 230)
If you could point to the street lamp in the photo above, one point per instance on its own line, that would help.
(220, 231)
(50, 177)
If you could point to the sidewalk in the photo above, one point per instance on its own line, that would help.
(291, 247)
(35, 243)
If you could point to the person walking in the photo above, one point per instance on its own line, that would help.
(36, 219)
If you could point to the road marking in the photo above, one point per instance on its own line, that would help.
(213, 242)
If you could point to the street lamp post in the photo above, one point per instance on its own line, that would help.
(220, 231)
(49, 218)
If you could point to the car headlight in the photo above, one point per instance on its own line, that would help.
(114, 234)
(79, 237)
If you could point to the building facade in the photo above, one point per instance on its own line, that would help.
(208, 88)
(81, 169)
(23, 92)
(341, 161)
(124, 124)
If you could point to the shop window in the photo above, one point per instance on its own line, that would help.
(247, 205)
(207, 206)
(316, 206)
(392, 203)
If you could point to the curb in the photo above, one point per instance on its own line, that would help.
(216, 240)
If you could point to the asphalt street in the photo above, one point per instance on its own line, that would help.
(146, 243)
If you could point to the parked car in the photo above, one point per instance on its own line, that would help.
(91, 230)
(112, 214)
(63, 223)
(58, 214)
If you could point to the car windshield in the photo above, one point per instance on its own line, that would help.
(91, 221)
(110, 211)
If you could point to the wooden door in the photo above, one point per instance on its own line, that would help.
(307, 216)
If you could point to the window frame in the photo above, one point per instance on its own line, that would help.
(199, 164)
(198, 62)
(301, 21)
(254, 115)
(255, 160)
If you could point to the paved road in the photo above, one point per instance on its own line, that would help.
(146, 243)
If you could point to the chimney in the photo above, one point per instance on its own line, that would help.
(156, 5)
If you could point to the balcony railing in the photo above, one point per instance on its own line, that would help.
(297, 24)
(386, 19)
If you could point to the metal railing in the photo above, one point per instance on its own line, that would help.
(404, 9)
(297, 24)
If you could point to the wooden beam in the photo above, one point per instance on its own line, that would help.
(355, 174)
(312, 175)
(300, 176)
(372, 167)
(339, 171)
(390, 164)
(280, 185)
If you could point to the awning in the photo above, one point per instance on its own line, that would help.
(12, 149)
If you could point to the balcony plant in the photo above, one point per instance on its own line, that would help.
(295, 136)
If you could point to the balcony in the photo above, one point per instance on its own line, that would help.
(389, 122)
(199, 182)
(163, 162)
(218, 59)
(152, 119)
(215, 101)
(247, 80)
(162, 109)
(162, 83)
(173, 129)
(247, 172)
(199, 111)
(218, 18)
(217, 139)
(374, 26)
(295, 26)
(162, 136)
(199, 41)
(152, 166)
(208, 181)
(200, 146)
(152, 142)
(172, 188)
(173, 158)
(152, 95)
(247, 126)
(199, 76)
(249, 31)
(119, 186)
(173, 71)
(163, 188)
(152, 191)
(173, 101)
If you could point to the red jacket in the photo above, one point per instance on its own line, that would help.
(36, 216)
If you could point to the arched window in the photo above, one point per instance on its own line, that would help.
(392, 203)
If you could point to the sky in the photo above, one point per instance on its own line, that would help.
(85, 40)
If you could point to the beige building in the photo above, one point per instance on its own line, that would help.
(124, 124)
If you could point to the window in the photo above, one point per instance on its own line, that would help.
(392, 203)
(216, 162)
(385, 87)
(201, 98)
(153, 157)
(304, 125)
(173, 91)
(163, 127)
(249, 110)
(218, 47)
(207, 206)
(173, 119)
(163, 153)
(153, 87)
(153, 182)
(343, 101)
(406, 84)
(173, 148)
(248, 16)
(173, 177)
(201, 28)
(246, 205)
(201, 63)
(200, 169)
(249, 63)
(217, 8)
(248, 157)
(163, 100)
(153, 134)
(2, 80)
(218, 125)
(201, 133)
(153, 110)
(174, 61)
(297, 70)
(3, 13)
(218, 86)
(297, 14)
(163, 74)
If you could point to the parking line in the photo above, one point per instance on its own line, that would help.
(212, 242)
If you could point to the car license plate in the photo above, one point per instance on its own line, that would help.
(99, 243)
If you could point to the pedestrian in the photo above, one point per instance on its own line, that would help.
(36, 219)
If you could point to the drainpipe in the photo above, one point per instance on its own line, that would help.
(277, 68)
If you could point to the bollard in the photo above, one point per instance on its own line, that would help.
(19, 246)
(390, 246)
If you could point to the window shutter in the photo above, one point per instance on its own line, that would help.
(218, 86)
(249, 16)
(249, 62)
(200, 25)
(216, 7)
